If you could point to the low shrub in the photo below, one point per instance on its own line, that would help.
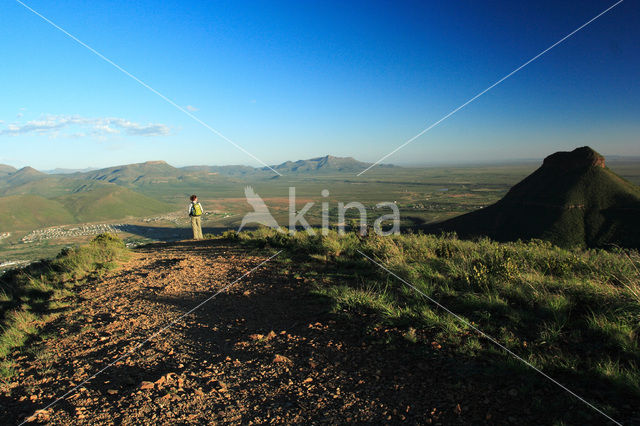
(30, 292)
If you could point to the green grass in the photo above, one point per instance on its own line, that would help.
(111, 202)
(94, 203)
(31, 211)
(29, 295)
(573, 313)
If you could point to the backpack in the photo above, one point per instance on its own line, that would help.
(196, 209)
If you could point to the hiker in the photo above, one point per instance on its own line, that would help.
(195, 211)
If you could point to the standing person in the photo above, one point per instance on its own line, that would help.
(195, 211)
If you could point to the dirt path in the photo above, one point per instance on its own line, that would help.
(267, 350)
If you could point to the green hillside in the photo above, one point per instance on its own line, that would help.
(110, 202)
(52, 186)
(31, 211)
(571, 200)
(135, 174)
(24, 175)
(103, 202)
(6, 170)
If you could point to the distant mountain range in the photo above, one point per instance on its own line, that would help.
(162, 169)
(69, 196)
(573, 199)
(31, 199)
(154, 171)
(60, 171)
(328, 163)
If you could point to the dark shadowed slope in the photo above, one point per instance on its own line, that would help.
(573, 199)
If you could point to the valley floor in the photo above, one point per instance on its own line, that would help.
(268, 350)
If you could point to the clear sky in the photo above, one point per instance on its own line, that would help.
(301, 79)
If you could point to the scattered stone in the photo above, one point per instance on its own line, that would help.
(147, 385)
(160, 382)
(282, 359)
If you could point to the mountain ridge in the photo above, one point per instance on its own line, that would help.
(64, 171)
(572, 199)
(124, 190)
(21, 176)
(327, 162)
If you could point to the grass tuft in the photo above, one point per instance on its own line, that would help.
(29, 294)
(571, 312)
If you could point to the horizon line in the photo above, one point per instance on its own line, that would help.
(436, 163)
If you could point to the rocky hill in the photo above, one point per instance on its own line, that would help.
(573, 199)
(328, 163)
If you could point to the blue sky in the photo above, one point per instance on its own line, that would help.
(291, 80)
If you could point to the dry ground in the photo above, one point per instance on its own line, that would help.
(265, 351)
